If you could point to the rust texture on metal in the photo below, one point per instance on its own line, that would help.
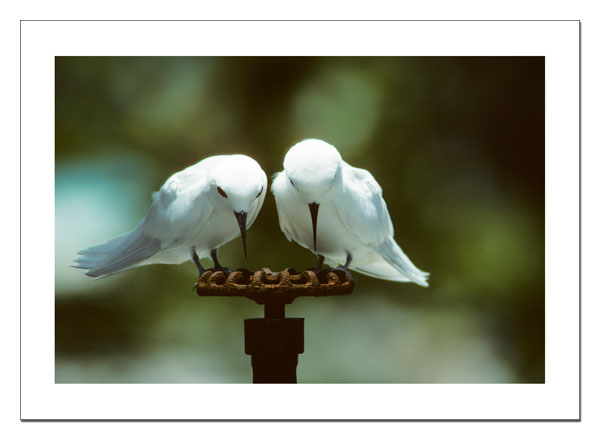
(264, 285)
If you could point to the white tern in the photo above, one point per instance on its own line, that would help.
(353, 227)
(195, 212)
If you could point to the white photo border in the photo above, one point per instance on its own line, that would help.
(557, 399)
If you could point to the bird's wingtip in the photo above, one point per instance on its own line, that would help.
(424, 281)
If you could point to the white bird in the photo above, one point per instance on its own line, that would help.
(354, 226)
(195, 212)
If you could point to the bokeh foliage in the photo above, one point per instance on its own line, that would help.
(457, 144)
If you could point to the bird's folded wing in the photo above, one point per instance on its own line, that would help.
(257, 207)
(179, 210)
(279, 189)
(362, 209)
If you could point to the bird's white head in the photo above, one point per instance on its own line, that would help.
(237, 183)
(313, 168)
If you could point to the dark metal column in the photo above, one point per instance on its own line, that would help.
(274, 342)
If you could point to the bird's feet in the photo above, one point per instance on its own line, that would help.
(316, 270)
(223, 269)
(346, 271)
(219, 268)
(287, 269)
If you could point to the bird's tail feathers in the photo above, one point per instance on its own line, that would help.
(381, 269)
(391, 252)
(117, 254)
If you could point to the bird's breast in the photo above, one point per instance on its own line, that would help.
(333, 240)
(220, 228)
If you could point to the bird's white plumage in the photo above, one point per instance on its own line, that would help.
(361, 194)
(186, 212)
(352, 218)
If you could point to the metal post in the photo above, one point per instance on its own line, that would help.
(274, 342)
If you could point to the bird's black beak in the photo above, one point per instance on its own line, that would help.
(241, 219)
(314, 212)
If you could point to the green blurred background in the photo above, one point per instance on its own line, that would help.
(457, 144)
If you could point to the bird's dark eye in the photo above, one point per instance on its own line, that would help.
(223, 193)
(292, 182)
(259, 193)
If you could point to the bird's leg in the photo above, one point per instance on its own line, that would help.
(213, 255)
(319, 264)
(345, 267)
(196, 261)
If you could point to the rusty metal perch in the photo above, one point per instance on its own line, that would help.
(274, 341)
